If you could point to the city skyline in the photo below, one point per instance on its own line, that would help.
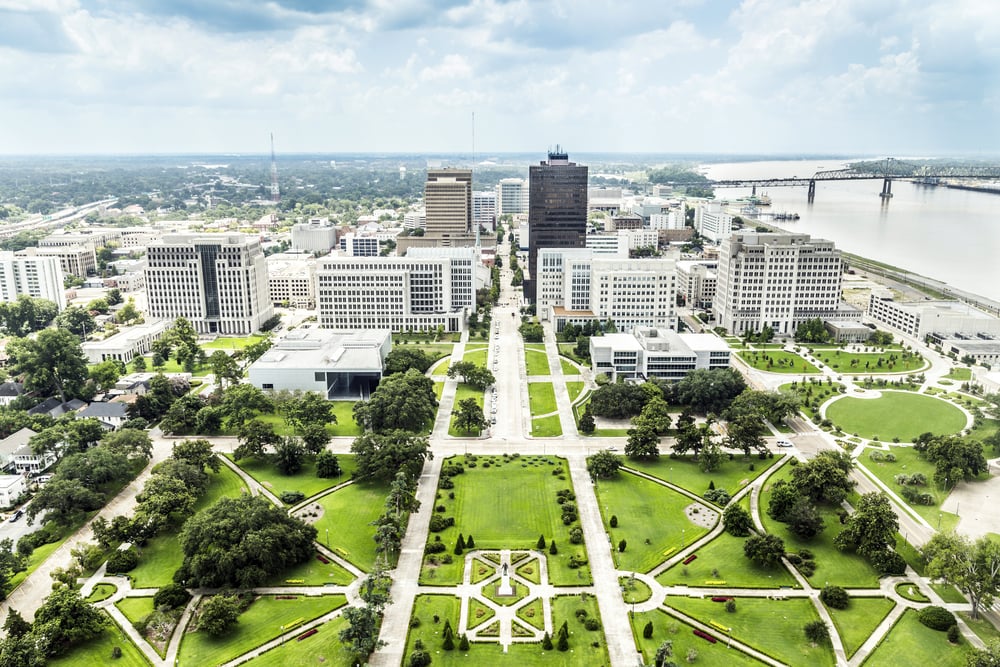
(761, 76)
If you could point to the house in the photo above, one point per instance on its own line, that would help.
(16, 454)
(11, 444)
(55, 408)
(12, 487)
(10, 391)
(112, 415)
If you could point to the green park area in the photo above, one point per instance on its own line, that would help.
(684, 471)
(323, 648)
(683, 639)
(896, 414)
(960, 374)
(568, 350)
(98, 651)
(541, 398)
(722, 563)
(812, 393)
(345, 426)
(909, 642)
(777, 361)
(546, 427)
(343, 521)
(892, 360)
(520, 494)
(535, 360)
(232, 342)
(856, 623)
(575, 390)
(462, 392)
(886, 465)
(476, 355)
(568, 368)
(305, 480)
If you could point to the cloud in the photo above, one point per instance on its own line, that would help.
(451, 67)
(35, 31)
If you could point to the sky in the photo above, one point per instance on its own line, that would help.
(846, 77)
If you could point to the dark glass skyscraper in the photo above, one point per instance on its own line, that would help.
(557, 209)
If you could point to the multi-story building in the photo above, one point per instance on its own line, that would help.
(317, 236)
(513, 196)
(448, 204)
(96, 237)
(484, 209)
(428, 288)
(75, 260)
(626, 221)
(353, 245)
(922, 318)
(291, 280)
(415, 219)
(673, 219)
(217, 281)
(40, 277)
(128, 343)
(137, 237)
(577, 285)
(697, 282)
(557, 210)
(650, 352)
(778, 281)
(712, 222)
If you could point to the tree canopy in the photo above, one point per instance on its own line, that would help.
(382, 455)
(51, 363)
(971, 566)
(705, 391)
(403, 401)
(872, 529)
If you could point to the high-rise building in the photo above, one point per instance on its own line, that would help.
(557, 209)
(448, 203)
(778, 281)
(317, 235)
(712, 222)
(484, 209)
(513, 196)
(40, 277)
(217, 281)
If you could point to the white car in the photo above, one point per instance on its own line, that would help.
(784, 443)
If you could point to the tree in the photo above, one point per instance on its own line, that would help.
(984, 657)
(128, 313)
(95, 467)
(219, 614)
(817, 632)
(972, 567)
(240, 402)
(196, 452)
(784, 496)
(587, 424)
(711, 456)
(133, 443)
(65, 619)
(315, 437)
(812, 331)
(192, 476)
(737, 520)
(225, 368)
(15, 625)
(255, 436)
(258, 540)
(604, 464)
(825, 478)
(63, 499)
(764, 550)
(10, 564)
(835, 597)
(803, 520)
(182, 415)
(664, 652)
(643, 443)
(688, 439)
(705, 391)
(382, 455)
(469, 416)
(327, 465)
(871, 529)
(52, 363)
(770, 405)
(164, 497)
(618, 401)
(402, 358)
(309, 409)
(114, 296)
(746, 433)
(256, 350)
(955, 459)
(289, 453)
(139, 364)
(361, 633)
(404, 401)
(77, 321)
(655, 413)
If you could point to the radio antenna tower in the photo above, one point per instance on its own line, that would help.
(275, 192)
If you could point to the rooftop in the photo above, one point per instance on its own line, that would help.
(324, 349)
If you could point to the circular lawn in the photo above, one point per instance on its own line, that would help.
(897, 414)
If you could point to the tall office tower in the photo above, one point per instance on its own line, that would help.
(448, 200)
(40, 277)
(557, 210)
(217, 281)
(513, 196)
(779, 281)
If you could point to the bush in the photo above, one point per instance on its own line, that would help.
(435, 548)
(936, 618)
(439, 523)
(614, 521)
(817, 632)
(889, 562)
(647, 630)
(419, 659)
(953, 634)
(292, 497)
(171, 596)
(592, 624)
(731, 606)
(720, 497)
(122, 561)
(835, 597)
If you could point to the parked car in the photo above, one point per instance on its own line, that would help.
(17, 515)
(784, 443)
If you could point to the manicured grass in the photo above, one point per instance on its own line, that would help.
(634, 590)
(856, 623)
(346, 517)
(960, 374)
(832, 565)
(546, 427)
(709, 655)
(479, 613)
(231, 343)
(908, 461)
(774, 627)
(323, 648)
(463, 391)
(948, 593)
(646, 511)
(812, 394)
(684, 472)
(777, 361)
(569, 350)
(574, 389)
(438, 390)
(893, 361)
(98, 651)
(476, 356)
(102, 592)
(725, 555)
(536, 361)
(313, 572)
(541, 398)
(520, 494)
(531, 613)
(896, 414)
(568, 368)
(911, 592)
(260, 623)
(911, 643)
(981, 627)
(306, 481)
(162, 555)
(425, 608)
(136, 609)
(564, 608)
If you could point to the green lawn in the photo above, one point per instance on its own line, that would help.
(646, 511)
(832, 565)
(960, 374)
(709, 655)
(893, 361)
(476, 355)
(306, 481)
(546, 427)
(981, 627)
(564, 608)
(136, 609)
(162, 555)
(506, 506)
(425, 608)
(171, 366)
(342, 410)
(102, 592)
(232, 343)
(777, 361)
(568, 368)
(98, 651)
(313, 572)
(569, 350)
(260, 623)
(774, 627)
(323, 648)
(911, 643)
(463, 391)
(541, 398)
(438, 390)
(812, 394)
(536, 361)
(908, 461)
(722, 559)
(856, 623)
(574, 389)
(896, 414)
(948, 593)
(345, 522)
(684, 472)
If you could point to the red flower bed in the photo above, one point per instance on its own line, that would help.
(306, 635)
(690, 559)
(721, 598)
(286, 597)
(323, 559)
(707, 637)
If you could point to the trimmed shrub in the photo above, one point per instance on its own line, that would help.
(835, 597)
(936, 618)
(122, 561)
(171, 596)
(292, 497)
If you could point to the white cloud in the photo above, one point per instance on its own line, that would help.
(451, 67)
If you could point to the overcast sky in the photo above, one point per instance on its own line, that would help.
(894, 77)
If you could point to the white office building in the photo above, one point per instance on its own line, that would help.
(316, 236)
(353, 245)
(712, 222)
(650, 352)
(291, 280)
(40, 277)
(673, 219)
(576, 285)
(337, 364)
(128, 343)
(415, 219)
(779, 281)
(513, 196)
(922, 318)
(75, 260)
(697, 282)
(484, 209)
(427, 288)
(217, 281)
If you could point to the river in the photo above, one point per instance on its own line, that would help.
(946, 234)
